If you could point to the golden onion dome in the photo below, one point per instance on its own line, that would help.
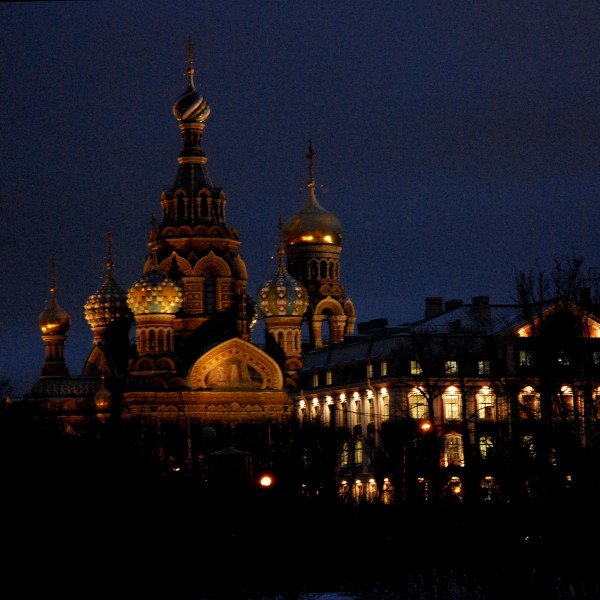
(191, 107)
(108, 304)
(312, 224)
(54, 319)
(282, 296)
(154, 293)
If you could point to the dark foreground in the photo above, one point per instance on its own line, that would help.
(170, 539)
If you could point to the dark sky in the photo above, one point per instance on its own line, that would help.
(457, 142)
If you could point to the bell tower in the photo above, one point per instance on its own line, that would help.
(313, 243)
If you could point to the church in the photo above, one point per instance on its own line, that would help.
(194, 381)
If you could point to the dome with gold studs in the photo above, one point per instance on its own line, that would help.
(54, 319)
(282, 296)
(108, 304)
(154, 293)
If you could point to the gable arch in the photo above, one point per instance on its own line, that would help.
(182, 264)
(211, 263)
(329, 304)
(235, 364)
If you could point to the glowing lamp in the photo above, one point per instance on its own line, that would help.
(265, 481)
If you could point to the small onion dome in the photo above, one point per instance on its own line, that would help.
(191, 107)
(108, 304)
(282, 296)
(54, 319)
(154, 293)
(312, 224)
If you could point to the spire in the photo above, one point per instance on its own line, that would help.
(190, 63)
(310, 155)
(281, 247)
(109, 260)
(53, 277)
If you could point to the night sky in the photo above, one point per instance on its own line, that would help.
(458, 143)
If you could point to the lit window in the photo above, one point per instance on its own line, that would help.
(484, 367)
(486, 404)
(451, 404)
(328, 378)
(415, 367)
(315, 379)
(383, 368)
(358, 452)
(529, 402)
(485, 446)
(525, 358)
(417, 404)
(453, 450)
(345, 455)
(528, 445)
(565, 403)
(369, 371)
(451, 367)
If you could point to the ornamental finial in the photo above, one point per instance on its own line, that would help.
(109, 260)
(310, 155)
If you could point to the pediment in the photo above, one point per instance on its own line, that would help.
(235, 365)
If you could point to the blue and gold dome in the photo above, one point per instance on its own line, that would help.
(108, 304)
(282, 296)
(191, 107)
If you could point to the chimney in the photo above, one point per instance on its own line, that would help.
(434, 307)
(453, 305)
(482, 312)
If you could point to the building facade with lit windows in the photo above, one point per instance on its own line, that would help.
(474, 399)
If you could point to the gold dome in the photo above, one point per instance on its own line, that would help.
(54, 319)
(312, 224)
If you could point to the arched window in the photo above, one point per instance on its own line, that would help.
(529, 403)
(453, 451)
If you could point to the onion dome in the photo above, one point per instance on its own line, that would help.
(191, 107)
(108, 304)
(312, 224)
(154, 293)
(54, 319)
(282, 296)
